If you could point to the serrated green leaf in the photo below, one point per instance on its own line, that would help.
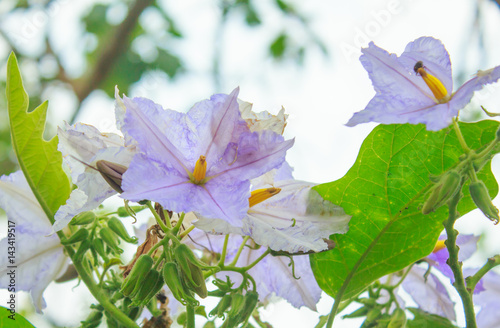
(424, 319)
(40, 160)
(384, 191)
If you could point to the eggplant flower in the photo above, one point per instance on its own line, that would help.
(81, 144)
(201, 161)
(40, 258)
(416, 87)
(285, 215)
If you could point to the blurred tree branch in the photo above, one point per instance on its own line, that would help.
(118, 42)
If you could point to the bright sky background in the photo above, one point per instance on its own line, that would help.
(320, 97)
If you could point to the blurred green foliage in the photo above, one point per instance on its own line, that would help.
(109, 52)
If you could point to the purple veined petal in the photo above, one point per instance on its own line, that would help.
(147, 179)
(430, 294)
(222, 122)
(464, 94)
(434, 57)
(145, 122)
(391, 78)
(225, 199)
(489, 316)
(284, 172)
(257, 154)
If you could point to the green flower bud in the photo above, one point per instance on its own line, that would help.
(200, 287)
(442, 191)
(124, 212)
(82, 249)
(83, 218)
(372, 315)
(361, 312)
(119, 229)
(481, 198)
(78, 236)
(251, 300)
(93, 320)
(222, 306)
(110, 239)
(174, 283)
(398, 319)
(98, 245)
(145, 286)
(237, 307)
(141, 267)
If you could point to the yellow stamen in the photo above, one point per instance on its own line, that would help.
(200, 170)
(260, 195)
(439, 246)
(436, 86)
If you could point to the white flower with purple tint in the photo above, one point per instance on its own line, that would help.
(40, 258)
(201, 161)
(416, 87)
(79, 144)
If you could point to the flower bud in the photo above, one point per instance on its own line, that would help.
(145, 287)
(442, 191)
(222, 306)
(98, 246)
(82, 249)
(237, 307)
(119, 229)
(93, 320)
(481, 198)
(398, 319)
(199, 286)
(83, 218)
(78, 236)
(110, 239)
(141, 267)
(112, 173)
(361, 312)
(173, 281)
(125, 211)
(251, 300)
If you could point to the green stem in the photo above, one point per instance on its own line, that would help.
(248, 267)
(473, 280)
(238, 253)
(460, 136)
(190, 316)
(456, 265)
(223, 254)
(186, 232)
(179, 223)
(157, 218)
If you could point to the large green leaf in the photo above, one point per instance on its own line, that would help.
(40, 160)
(384, 192)
(424, 319)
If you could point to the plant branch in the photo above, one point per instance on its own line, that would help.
(455, 264)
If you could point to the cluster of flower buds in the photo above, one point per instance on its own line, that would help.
(237, 306)
(100, 235)
(376, 315)
(184, 275)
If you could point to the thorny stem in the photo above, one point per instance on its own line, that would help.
(473, 280)
(456, 265)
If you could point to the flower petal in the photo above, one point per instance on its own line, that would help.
(489, 316)
(464, 94)
(430, 294)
